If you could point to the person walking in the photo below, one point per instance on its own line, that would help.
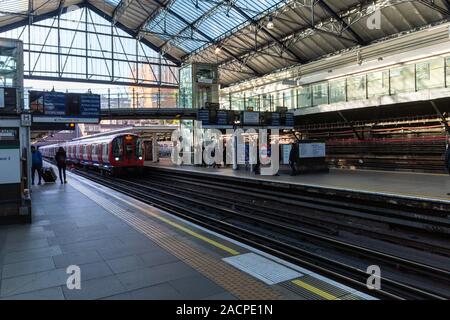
(60, 158)
(36, 164)
(292, 158)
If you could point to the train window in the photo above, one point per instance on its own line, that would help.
(117, 147)
(138, 150)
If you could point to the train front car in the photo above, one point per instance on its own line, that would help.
(126, 154)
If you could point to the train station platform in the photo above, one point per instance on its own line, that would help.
(126, 249)
(414, 186)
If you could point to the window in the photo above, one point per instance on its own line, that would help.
(117, 147)
(304, 96)
(378, 83)
(356, 88)
(320, 93)
(402, 79)
(338, 91)
(430, 74)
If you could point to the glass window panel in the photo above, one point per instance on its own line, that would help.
(356, 88)
(430, 74)
(320, 93)
(289, 99)
(378, 83)
(402, 79)
(304, 97)
(337, 91)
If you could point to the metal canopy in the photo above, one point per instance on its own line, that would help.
(236, 34)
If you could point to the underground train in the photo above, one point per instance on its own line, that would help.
(112, 153)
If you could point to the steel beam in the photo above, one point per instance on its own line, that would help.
(330, 11)
(265, 31)
(211, 40)
(120, 9)
(133, 33)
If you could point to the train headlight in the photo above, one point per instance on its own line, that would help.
(116, 158)
(140, 158)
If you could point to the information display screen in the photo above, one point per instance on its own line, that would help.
(312, 150)
(251, 118)
(203, 117)
(57, 107)
(8, 100)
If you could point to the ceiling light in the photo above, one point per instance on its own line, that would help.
(270, 24)
(217, 50)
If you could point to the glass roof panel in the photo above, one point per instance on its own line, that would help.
(212, 17)
(113, 2)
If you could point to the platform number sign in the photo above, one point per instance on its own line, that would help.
(26, 120)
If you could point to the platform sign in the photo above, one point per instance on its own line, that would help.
(57, 107)
(9, 156)
(312, 150)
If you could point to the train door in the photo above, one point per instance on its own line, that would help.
(100, 153)
(148, 149)
(129, 149)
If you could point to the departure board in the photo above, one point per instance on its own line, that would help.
(58, 107)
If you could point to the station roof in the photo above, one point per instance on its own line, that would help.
(237, 34)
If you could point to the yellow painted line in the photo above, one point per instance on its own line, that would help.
(314, 290)
(198, 236)
(178, 226)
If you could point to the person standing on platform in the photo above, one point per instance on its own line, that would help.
(292, 158)
(60, 158)
(36, 164)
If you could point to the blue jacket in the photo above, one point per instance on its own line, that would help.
(36, 158)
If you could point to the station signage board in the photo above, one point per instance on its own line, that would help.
(9, 156)
(57, 107)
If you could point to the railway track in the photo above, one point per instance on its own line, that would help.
(416, 231)
(316, 248)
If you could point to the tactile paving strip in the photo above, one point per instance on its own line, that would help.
(313, 288)
(237, 283)
(262, 268)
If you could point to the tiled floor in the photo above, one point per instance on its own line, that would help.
(432, 186)
(116, 261)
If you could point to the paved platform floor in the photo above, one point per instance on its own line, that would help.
(129, 250)
(415, 185)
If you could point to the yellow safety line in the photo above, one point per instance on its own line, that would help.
(182, 228)
(314, 290)
(199, 236)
